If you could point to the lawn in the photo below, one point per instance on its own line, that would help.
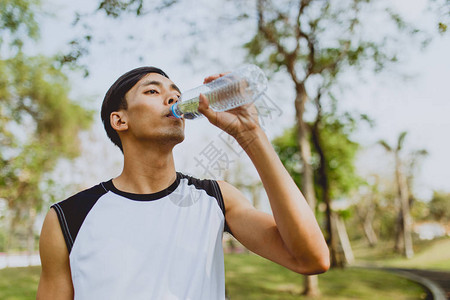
(251, 277)
(19, 283)
(434, 255)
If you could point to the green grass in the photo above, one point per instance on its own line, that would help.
(251, 277)
(19, 283)
(433, 254)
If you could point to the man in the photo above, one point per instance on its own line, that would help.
(154, 233)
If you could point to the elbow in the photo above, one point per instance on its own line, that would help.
(314, 269)
(321, 266)
(322, 261)
(315, 265)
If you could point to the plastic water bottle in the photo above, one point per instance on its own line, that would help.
(240, 87)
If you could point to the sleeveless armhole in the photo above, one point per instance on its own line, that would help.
(73, 211)
(211, 187)
(64, 226)
(219, 198)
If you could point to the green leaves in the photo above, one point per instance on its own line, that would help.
(286, 146)
(401, 140)
(114, 8)
(39, 122)
(385, 145)
(17, 21)
(340, 151)
(340, 154)
(440, 206)
(38, 98)
(399, 146)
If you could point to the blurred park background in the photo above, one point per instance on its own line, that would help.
(357, 109)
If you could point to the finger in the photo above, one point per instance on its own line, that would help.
(203, 107)
(214, 77)
(211, 78)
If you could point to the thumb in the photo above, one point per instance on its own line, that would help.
(203, 107)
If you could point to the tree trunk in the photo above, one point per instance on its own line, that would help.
(311, 283)
(30, 234)
(255, 191)
(311, 286)
(9, 239)
(370, 233)
(368, 224)
(332, 238)
(408, 251)
(366, 214)
(399, 242)
(343, 239)
(333, 243)
(307, 182)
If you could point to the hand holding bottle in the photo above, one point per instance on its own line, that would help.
(224, 91)
(240, 122)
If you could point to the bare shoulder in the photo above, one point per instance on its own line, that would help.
(233, 198)
(56, 280)
(52, 239)
(244, 220)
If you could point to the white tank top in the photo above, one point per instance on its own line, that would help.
(166, 245)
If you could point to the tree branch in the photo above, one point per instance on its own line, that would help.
(268, 34)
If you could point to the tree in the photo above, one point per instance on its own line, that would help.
(366, 210)
(403, 240)
(334, 174)
(39, 123)
(314, 43)
(403, 227)
(440, 207)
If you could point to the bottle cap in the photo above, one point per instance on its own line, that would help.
(173, 110)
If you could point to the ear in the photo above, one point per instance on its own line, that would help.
(118, 120)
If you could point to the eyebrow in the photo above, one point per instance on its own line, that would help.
(158, 83)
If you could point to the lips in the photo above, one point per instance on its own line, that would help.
(169, 115)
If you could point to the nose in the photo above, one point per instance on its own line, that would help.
(172, 99)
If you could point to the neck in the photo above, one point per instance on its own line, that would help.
(147, 169)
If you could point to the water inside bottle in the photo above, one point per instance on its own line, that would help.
(189, 108)
(222, 97)
(243, 86)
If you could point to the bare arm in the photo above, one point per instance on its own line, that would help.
(291, 237)
(56, 280)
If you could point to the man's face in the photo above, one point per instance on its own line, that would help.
(148, 112)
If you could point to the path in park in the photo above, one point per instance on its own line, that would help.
(19, 260)
(438, 282)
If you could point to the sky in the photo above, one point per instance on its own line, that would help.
(419, 105)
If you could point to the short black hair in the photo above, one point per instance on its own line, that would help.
(115, 98)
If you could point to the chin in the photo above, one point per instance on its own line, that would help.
(176, 137)
(180, 139)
